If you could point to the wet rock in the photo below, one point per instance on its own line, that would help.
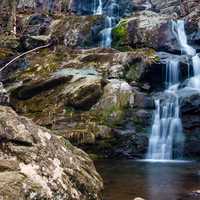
(189, 107)
(142, 100)
(85, 7)
(37, 164)
(190, 113)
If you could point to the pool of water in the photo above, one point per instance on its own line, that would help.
(126, 180)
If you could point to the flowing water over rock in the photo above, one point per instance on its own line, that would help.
(112, 16)
(98, 7)
(167, 126)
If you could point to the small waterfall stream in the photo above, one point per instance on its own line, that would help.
(111, 13)
(167, 126)
(98, 7)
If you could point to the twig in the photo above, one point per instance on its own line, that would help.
(23, 54)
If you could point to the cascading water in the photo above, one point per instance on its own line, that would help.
(167, 126)
(112, 15)
(178, 29)
(194, 82)
(97, 7)
(106, 33)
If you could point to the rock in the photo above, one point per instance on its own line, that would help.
(35, 164)
(145, 29)
(143, 100)
(169, 7)
(124, 8)
(122, 144)
(36, 28)
(190, 112)
(154, 75)
(4, 97)
(116, 98)
(79, 31)
(68, 30)
(61, 89)
(116, 71)
(83, 93)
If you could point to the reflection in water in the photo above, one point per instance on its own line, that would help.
(125, 180)
(158, 172)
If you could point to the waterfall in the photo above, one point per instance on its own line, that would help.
(172, 72)
(106, 33)
(194, 82)
(97, 7)
(167, 126)
(178, 29)
(112, 15)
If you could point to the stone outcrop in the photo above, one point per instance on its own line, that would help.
(145, 29)
(36, 164)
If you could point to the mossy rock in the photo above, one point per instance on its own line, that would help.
(120, 36)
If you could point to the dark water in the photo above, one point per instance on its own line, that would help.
(125, 180)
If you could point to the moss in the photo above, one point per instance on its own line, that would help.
(120, 35)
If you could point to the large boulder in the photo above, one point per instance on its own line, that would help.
(35, 164)
(145, 29)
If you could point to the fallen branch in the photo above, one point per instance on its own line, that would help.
(23, 54)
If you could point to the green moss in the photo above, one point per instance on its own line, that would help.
(120, 35)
